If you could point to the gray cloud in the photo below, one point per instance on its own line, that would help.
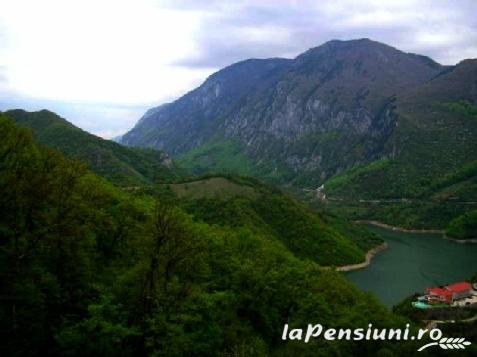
(234, 31)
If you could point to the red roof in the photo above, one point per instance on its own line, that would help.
(459, 287)
(439, 291)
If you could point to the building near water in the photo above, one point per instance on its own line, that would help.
(449, 293)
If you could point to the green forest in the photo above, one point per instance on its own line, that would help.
(90, 268)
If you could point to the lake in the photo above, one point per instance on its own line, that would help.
(413, 262)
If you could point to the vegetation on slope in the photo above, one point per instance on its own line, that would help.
(119, 164)
(464, 107)
(430, 160)
(237, 202)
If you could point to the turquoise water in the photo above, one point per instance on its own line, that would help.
(413, 262)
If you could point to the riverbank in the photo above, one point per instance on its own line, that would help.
(461, 241)
(372, 252)
(369, 256)
(423, 231)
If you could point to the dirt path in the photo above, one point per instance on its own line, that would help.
(401, 229)
(423, 231)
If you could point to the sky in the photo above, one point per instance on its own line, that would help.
(102, 63)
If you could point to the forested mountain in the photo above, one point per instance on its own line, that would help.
(294, 121)
(125, 166)
(430, 158)
(89, 269)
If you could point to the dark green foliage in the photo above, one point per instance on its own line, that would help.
(463, 227)
(87, 269)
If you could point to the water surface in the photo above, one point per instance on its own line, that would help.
(413, 262)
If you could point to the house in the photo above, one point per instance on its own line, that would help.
(449, 293)
(437, 295)
(460, 290)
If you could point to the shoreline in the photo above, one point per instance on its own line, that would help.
(418, 231)
(374, 251)
(400, 229)
(460, 241)
(369, 256)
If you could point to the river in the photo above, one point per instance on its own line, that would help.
(413, 262)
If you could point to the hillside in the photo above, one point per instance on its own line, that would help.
(87, 267)
(244, 203)
(122, 165)
(296, 121)
(430, 160)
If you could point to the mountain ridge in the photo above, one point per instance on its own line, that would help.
(292, 117)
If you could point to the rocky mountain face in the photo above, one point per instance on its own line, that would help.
(298, 120)
(433, 146)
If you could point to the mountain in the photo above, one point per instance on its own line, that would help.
(120, 164)
(295, 121)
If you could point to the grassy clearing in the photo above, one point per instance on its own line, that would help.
(214, 187)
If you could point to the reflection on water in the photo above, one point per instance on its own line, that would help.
(413, 262)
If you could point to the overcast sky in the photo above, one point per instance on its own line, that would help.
(102, 63)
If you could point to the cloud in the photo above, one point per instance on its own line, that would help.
(234, 31)
(116, 51)
(3, 76)
(100, 63)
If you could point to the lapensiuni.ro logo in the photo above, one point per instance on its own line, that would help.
(370, 334)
